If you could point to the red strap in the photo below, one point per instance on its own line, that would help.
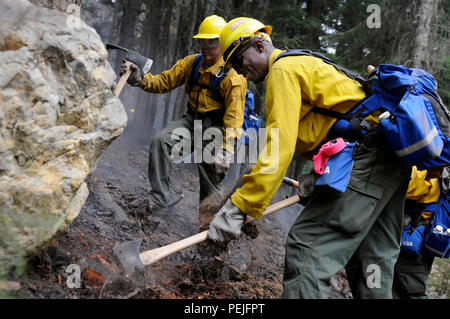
(326, 151)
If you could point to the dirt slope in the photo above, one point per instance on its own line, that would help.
(117, 210)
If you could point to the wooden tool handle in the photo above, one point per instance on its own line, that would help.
(277, 206)
(123, 78)
(290, 182)
(370, 68)
(151, 256)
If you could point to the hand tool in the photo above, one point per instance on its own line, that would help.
(144, 64)
(290, 182)
(131, 259)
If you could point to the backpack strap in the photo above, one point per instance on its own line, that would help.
(353, 115)
(352, 75)
(195, 74)
(215, 87)
(214, 83)
(331, 113)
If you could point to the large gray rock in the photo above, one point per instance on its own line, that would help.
(58, 112)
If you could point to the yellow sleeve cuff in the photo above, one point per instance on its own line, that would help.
(242, 204)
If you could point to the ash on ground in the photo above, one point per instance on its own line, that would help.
(117, 210)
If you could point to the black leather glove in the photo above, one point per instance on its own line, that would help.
(305, 187)
(135, 77)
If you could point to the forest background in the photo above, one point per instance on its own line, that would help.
(415, 33)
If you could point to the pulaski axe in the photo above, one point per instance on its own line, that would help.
(143, 63)
(131, 259)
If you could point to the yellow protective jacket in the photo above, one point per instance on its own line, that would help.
(233, 88)
(294, 85)
(422, 190)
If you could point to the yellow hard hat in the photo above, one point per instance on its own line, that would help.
(211, 27)
(238, 31)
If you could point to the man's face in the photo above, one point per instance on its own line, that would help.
(250, 62)
(210, 49)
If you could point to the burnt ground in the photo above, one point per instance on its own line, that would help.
(117, 210)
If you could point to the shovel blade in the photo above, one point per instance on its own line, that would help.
(128, 255)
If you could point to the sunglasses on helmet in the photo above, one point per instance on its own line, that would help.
(237, 58)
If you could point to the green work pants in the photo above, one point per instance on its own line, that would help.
(411, 277)
(161, 161)
(365, 221)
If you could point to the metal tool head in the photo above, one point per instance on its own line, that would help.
(143, 63)
(128, 255)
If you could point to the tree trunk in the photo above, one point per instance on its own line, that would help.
(314, 10)
(425, 12)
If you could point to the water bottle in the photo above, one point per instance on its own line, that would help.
(384, 116)
(438, 229)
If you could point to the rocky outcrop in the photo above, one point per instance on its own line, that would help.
(58, 112)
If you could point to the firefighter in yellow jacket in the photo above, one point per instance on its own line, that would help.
(412, 272)
(365, 220)
(224, 113)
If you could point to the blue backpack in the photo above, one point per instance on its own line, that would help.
(413, 120)
(412, 240)
(424, 238)
(252, 122)
(438, 243)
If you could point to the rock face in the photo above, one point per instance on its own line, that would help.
(58, 112)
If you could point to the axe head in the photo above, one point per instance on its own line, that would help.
(143, 63)
(128, 255)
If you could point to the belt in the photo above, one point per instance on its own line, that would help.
(215, 116)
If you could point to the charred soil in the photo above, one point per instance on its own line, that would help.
(117, 210)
